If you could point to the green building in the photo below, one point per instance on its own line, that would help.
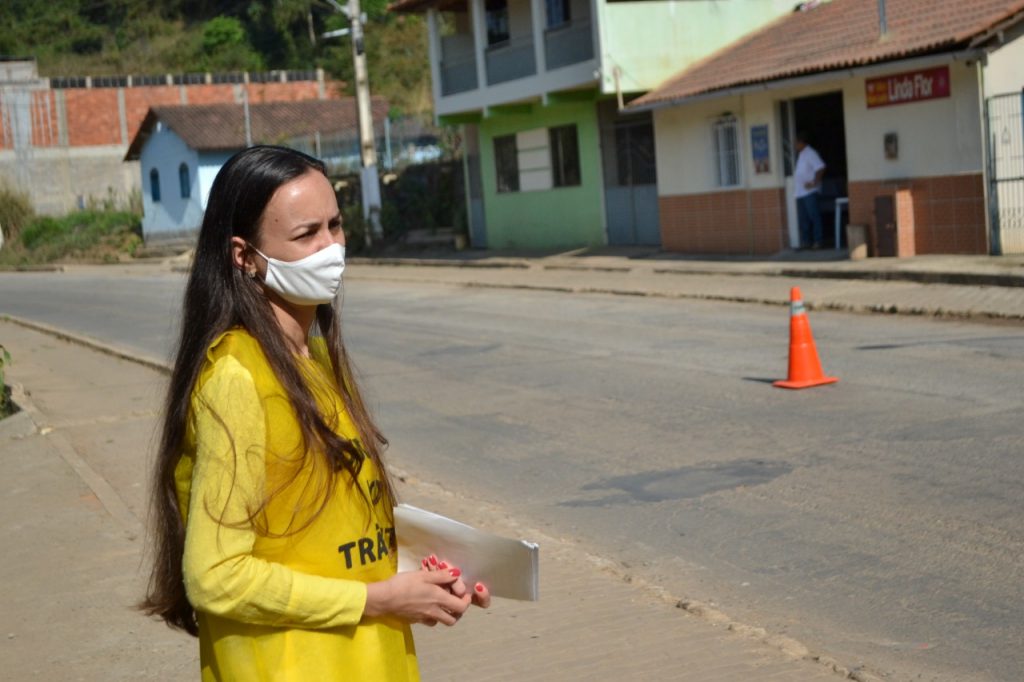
(539, 85)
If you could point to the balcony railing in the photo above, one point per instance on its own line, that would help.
(458, 64)
(568, 44)
(512, 60)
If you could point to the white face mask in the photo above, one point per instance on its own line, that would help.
(311, 280)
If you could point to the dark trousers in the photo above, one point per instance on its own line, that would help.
(809, 217)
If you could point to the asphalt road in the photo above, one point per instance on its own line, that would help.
(878, 520)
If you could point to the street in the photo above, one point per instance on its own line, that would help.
(878, 520)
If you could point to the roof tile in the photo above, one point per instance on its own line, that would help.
(834, 35)
(211, 127)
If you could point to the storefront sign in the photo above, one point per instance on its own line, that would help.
(912, 86)
(759, 149)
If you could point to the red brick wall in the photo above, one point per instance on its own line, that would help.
(210, 94)
(723, 222)
(944, 214)
(93, 116)
(137, 102)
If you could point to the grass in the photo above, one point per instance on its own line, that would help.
(90, 236)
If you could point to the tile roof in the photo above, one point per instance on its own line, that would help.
(212, 127)
(835, 35)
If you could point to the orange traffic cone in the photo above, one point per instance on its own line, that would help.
(804, 366)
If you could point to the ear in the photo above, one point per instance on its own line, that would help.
(241, 256)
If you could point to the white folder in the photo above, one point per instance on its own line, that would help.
(508, 567)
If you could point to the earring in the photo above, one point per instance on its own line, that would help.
(251, 274)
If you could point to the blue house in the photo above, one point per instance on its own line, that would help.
(180, 149)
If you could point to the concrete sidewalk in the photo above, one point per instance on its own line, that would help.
(986, 288)
(961, 287)
(73, 499)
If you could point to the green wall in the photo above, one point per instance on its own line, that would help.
(650, 42)
(563, 217)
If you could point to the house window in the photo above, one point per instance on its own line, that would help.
(496, 17)
(183, 180)
(558, 13)
(565, 156)
(727, 152)
(506, 163)
(154, 185)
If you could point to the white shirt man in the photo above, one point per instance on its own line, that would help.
(809, 170)
(807, 175)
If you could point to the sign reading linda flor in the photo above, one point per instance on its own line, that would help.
(911, 86)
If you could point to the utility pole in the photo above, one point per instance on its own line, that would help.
(369, 179)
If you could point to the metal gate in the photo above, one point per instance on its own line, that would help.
(1006, 172)
(630, 178)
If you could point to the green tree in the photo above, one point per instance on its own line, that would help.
(226, 47)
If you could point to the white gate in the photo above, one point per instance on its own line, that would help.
(1006, 172)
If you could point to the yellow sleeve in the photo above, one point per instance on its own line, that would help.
(221, 574)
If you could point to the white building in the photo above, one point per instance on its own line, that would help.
(918, 120)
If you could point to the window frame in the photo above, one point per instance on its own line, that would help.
(185, 181)
(566, 13)
(506, 164)
(565, 172)
(728, 161)
(154, 185)
(496, 23)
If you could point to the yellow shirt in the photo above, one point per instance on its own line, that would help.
(272, 607)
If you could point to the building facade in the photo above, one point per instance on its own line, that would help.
(897, 105)
(552, 160)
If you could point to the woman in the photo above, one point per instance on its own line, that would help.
(275, 540)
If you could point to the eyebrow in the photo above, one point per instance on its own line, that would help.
(306, 224)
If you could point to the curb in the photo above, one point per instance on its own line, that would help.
(130, 524)
(920, 276)
(832, 306)
(82, 340)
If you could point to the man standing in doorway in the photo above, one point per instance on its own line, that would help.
(808, 174)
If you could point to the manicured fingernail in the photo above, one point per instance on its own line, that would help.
(442, 565)
(433, 560)
(479, 587)
(424, 562)
(455, 572)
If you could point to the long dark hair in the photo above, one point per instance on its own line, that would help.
(220, 296)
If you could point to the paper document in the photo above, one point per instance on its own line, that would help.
(509, 568)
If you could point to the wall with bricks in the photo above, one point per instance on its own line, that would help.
(65, 146)
(749, 222)
(944, 214)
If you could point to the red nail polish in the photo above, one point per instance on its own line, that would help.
(479, 587)
(424, 562)
(455, 572)
(442, 565)
(433, 560)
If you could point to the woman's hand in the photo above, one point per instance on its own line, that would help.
(417, 597)
(480, 595)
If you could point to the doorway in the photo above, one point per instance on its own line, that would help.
(630, 177)
(820, 117)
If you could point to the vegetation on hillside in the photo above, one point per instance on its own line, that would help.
(121, 37)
